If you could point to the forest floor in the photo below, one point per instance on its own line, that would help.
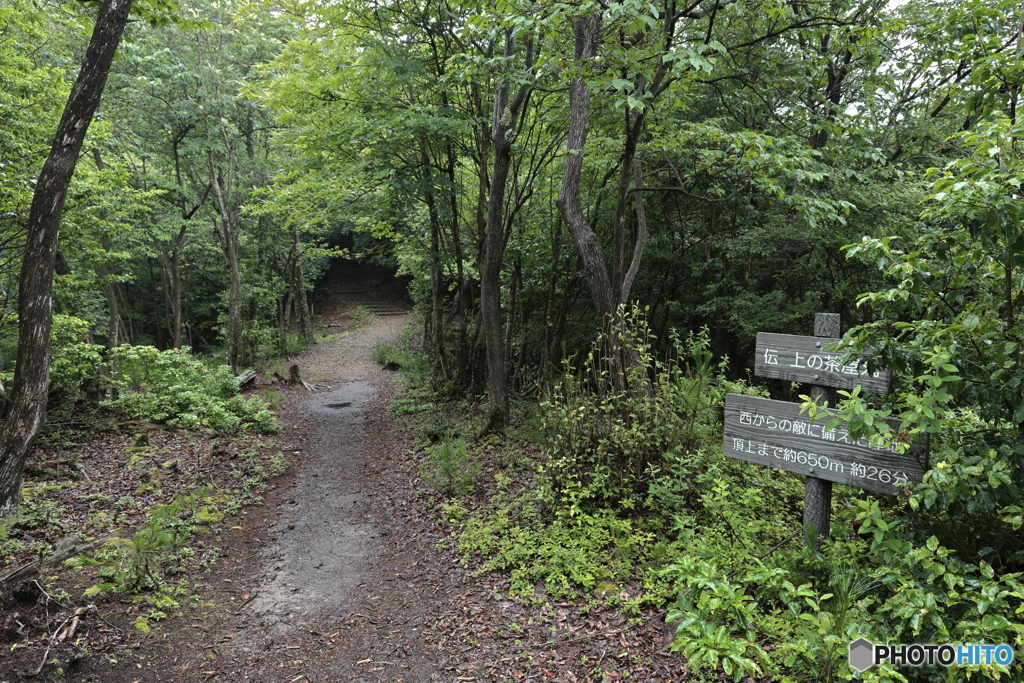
(343, 573)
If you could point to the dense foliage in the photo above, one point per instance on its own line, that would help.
(174, 387)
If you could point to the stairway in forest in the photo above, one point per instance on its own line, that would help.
(364, 286)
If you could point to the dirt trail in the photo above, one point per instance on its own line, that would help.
(322, 546)
(345, 574)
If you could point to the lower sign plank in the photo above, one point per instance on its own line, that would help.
(774, 433)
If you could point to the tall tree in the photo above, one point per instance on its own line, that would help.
(26, 406)
(504, 124)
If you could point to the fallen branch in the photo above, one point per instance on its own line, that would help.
(81, 470)
(70, 633)
(246, 601)
(40, 468)
(66, 548)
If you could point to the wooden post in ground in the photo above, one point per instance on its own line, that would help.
(818, 492)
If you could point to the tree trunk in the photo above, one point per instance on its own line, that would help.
(641, 236)
(174, 286)
(282, 324)
(503, 131)
(113, 313)
(634, 127)
(26, 405)
(110, 294)
(223, 188)
(433, 325)
(299, 293)
(568, 202)
(549, 298)
(234, 293)
(605, 294)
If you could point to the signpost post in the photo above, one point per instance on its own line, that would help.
(774, 433)
(817, 491)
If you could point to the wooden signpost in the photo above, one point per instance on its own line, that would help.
(774, 433)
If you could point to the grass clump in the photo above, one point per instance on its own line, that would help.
(406, 355)
(130, 565)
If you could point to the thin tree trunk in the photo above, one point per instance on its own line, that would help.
(549, 297)
(605, 295)
(282, 324)
(437, 302)
(299, 293)
(26, 405)
(503, 131)
(513, 307)
(433, 327)
(159, 314)
(223, 189)
(174, 280)
(460, 277)
(633, 129)
(568, 202)
(641, 237)
(113, 314)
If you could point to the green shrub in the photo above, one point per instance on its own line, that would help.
(407, 354)
(132, 565)
(450, 469)
(943, 563)
(792, 616)
(177, 388)
(74, 362)
(437, 431)
(568, 522)
(609, 449)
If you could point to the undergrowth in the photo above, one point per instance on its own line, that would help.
(147, 564)
(627, 501)
(621, 489)
(404, 354)
(178, 388)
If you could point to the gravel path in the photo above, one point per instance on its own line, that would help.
(323, 546)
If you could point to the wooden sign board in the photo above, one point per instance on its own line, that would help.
(774, 433)
(809, 360)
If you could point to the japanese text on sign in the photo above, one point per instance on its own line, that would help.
(776, 434)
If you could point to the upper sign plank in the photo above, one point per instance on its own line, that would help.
(809, 360)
